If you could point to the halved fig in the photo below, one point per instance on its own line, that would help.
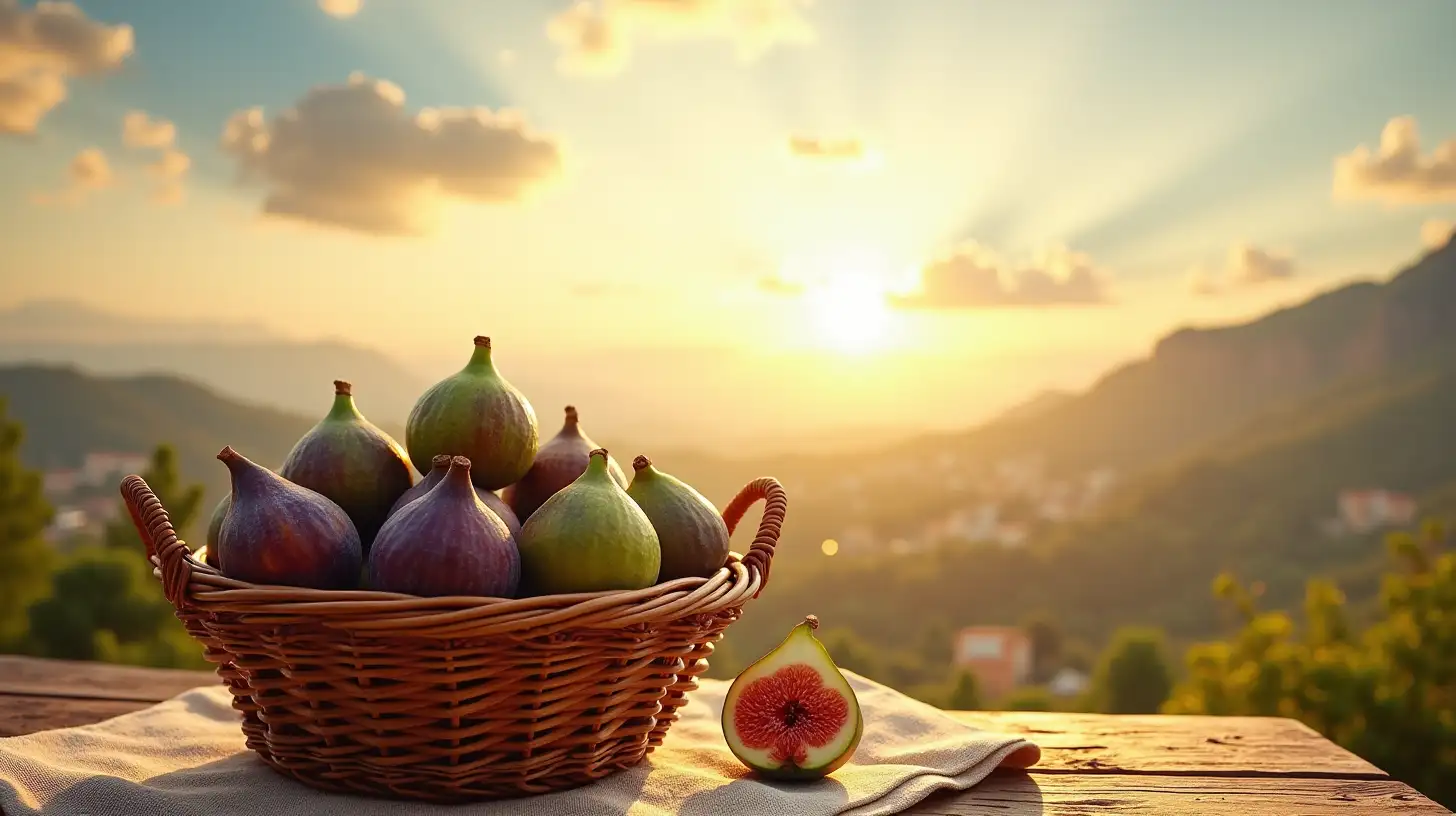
(792, 715)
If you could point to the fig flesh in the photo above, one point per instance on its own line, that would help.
(439, 467)
(351, 462)
(477, 414)
(693, 536)
(792, 715)
(589, 537)
(277, 532)
(558, 463)
(447, 542)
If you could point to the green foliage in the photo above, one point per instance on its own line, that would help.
(24, 514)
(101, 601)
(966, 696)
(1388, 693)
(1028, 698)
(183, 503)
(850, 652)
(1132, 677)
(1046, 646)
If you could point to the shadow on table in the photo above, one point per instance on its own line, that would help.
(740, 796)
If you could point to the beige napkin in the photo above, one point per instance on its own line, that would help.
(186, 756)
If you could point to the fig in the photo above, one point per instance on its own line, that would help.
(589, 537)
(352, 463)
(693, 536)
(440, 466)
(792, 715)
(558, 463)
(214, 528)
(475, 413)
(278, 532)
(447, 542)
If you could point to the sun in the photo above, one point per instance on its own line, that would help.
(846, 303)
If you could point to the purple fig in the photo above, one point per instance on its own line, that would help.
(475, 413)
(693, 536)
(352, 463)
(559, 462)
(447, 542)
(441, 466)
(277, 532)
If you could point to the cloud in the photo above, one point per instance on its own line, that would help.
(340, 8)
(42, 46)
(1246, 266)
(776, 285)
(1396, 172)
(352, 156)
(1436, 233)
(974, 278)
(830, 149)
(138, 130)
(90, 170)
(598, 36)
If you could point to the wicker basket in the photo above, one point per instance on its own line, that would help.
(453, 699)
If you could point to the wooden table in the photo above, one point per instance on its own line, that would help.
(1090, 762)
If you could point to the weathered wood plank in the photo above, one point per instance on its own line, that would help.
(22, 714)
(1018, 794)
(90, 680)
(1197, 745)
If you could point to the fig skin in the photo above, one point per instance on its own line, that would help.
(351, 462)
(693, 536)
(214, 529)
(446, 542)
(477, 414)
(277, 532)
(558, 463)
(589, 537)
(439, 467)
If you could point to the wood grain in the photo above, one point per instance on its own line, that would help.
(96, 681)
(22, 714)
(1196, 745)
(1017, 794)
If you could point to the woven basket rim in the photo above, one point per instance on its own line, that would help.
(193, 585)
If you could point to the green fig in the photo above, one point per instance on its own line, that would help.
(589, 537)
(214, 530)
(792, 715)
(693, 536)
(352, 463)
(557, 464)
(475, 413)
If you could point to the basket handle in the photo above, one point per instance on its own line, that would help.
(776, 504)
(155, 527)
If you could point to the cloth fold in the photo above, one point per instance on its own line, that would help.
(186, 756)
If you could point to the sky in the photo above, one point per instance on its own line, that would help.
(1028, 190)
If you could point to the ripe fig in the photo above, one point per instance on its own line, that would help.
(693, 536)
(352, 463)
(589, 537)
(558, 463)
(441, 466)
(214, 529)
(475, 413)
(447, 542)
(277, 532)
(792, 715)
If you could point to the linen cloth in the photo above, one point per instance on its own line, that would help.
(186, 756)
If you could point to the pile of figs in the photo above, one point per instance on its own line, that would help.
(495, 512)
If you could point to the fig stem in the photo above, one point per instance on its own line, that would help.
(480, 358)
(641, 462)
(812, 620)
(343, 389)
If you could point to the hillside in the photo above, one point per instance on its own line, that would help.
(239, 361)
(67, 414)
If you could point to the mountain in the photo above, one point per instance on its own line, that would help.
(238, 360)
(67, 414)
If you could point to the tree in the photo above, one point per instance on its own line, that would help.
(25, 557)
(1387, 693)
(98, 591)
(183, 503)
(966, 696)
(849, 652)
(1132, 677)
(1046, 646)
